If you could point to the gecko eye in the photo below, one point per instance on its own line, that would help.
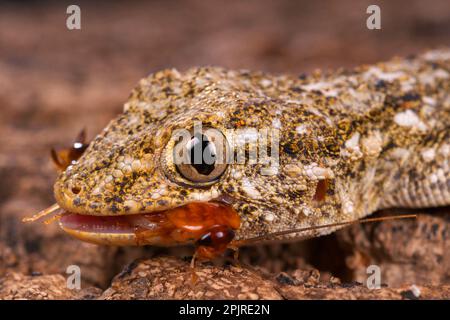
(202, 157)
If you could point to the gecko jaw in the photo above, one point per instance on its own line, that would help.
(104, 230)
(181, 225)
(113, 239)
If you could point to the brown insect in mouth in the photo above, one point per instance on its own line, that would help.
(210, 226)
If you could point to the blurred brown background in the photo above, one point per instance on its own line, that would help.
(54, 81)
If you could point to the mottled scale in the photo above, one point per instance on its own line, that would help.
(430, 188)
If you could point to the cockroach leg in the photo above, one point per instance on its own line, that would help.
(56, 159)
(194, 276)
(65, 157)
(235, 253)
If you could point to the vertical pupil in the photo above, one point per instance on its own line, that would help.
(202, 154)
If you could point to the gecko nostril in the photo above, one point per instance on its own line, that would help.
(75, 190)
(74, 187)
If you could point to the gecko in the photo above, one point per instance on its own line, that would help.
(349, 143)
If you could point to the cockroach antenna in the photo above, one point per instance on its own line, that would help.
(54, 209)
(238, 243)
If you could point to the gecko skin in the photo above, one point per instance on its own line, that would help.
(370, 138)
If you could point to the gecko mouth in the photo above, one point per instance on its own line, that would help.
(100, 224)
(180, 225)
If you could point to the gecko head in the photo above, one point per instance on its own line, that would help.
(187, 138)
